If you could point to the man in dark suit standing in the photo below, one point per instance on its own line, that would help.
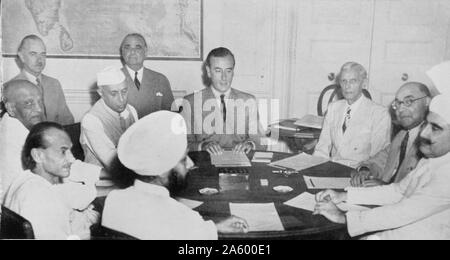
(149, 91)
(32, 58)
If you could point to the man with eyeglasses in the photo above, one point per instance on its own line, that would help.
(149, 91)
(394, 163)
(356, 128)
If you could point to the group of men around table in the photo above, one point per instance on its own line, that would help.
(131, 127)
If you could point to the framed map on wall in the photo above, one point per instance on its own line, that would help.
(95, 28)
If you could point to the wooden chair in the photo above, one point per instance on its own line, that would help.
(99, 232)
(14, 226)
(74, 132)
(334, 93)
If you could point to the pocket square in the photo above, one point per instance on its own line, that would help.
(159, 94)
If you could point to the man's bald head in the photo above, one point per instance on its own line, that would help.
(23, 101)
(411, 104)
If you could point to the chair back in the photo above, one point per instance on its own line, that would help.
(74, 132)
(99, 232)
(333, 93)
(14, 226)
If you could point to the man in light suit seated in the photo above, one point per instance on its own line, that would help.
(146, 210)
(107, 120)
(32, 57)
(220, 117)
(355, 128)
(402, 155)
(418, 207)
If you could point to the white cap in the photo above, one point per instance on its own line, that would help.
(439, 105)
(440, 75)
(155, 144)
(110, 76)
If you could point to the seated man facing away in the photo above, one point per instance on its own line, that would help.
(24, 109)
(402, 155)
(56, 202)
(355, 128)
(107, 120)
(146, 210)
(220, 117)
(418, 207)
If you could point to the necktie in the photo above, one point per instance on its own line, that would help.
(403, 148)
(347, 117)
(41, 89)
(136, 80)
(223, 107)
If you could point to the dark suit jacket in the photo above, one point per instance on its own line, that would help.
(54, 99)
(154, 94)
(241, 125)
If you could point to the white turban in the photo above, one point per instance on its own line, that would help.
(155, 144)
(110, 76)
(440, 75)
(440, 105)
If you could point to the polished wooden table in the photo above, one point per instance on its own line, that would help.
(298, 223)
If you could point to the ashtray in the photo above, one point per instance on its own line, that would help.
(208, 191)
(283, 189)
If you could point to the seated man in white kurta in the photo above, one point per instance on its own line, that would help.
(146, 210)
(55, 191)
(107, 120)
(355, 129)
(418, 207)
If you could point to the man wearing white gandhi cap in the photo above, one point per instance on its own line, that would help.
(440, 75)
(155, 148)
(418, 207)
(107, 120)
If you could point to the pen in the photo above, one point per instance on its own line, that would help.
(312, 183)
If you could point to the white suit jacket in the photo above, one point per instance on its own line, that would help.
(368, 132)
(418, 207)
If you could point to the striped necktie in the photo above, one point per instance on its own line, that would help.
(347, 118)
(136, 80)
(41, 89)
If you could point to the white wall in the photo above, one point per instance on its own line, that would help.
(285, 49)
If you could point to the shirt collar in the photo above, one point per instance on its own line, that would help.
(31, 77)
(217, 94)
(355, 105)
(125, 114)
(15, 123)
(132, 72)
(437, 162)
(151, 188)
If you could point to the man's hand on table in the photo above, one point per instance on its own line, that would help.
(330, 211)
(359, 177)
(331, 195)
(232, 225)
(244, 147)
(213, 148)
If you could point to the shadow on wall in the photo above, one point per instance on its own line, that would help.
(94, 94)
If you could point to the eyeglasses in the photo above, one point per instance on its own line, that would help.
(407, 102)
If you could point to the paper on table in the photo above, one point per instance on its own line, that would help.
(306, 201)
(310, 121)
(300, 162)
(320, 183)
(192, 204)
(260, 217)
(263, 155)
(230, 159)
